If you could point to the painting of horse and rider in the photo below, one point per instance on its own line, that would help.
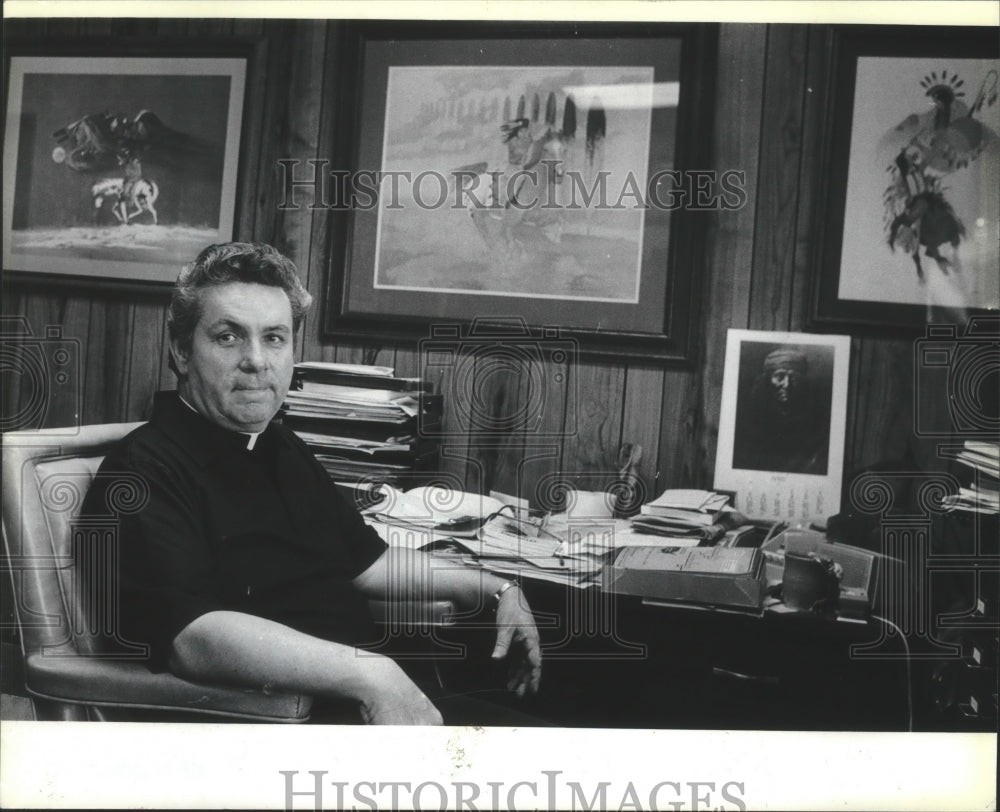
(119, 167)
(517, 181)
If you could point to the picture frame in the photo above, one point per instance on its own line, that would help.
(121, 160)
(783, 423)
(461, 107)
(912, 164)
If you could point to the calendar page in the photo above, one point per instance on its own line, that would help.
(781, 429)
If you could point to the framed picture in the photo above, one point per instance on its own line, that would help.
(914, 166)
(119, 167)
(781, 431)
(529, 173)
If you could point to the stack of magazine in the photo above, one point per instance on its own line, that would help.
(364, 423)
(687, 516)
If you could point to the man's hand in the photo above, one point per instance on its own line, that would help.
(391, 698)
(516, 628)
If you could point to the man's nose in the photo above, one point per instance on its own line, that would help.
(254, 358)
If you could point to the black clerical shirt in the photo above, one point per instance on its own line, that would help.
(225, 527)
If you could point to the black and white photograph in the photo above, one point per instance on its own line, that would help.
(783, 408)
(593, 491)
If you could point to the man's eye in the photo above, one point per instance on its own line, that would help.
(276, 339)
(226, 338)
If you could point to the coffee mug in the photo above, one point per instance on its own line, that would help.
(810, 582)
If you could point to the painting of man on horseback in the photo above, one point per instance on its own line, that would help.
(125, 166)
(521, 200)
(507, 140)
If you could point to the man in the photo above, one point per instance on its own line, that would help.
(244, 565)
(783, 422)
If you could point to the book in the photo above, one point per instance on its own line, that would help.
(725, 577)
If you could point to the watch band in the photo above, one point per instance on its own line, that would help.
(503, 588)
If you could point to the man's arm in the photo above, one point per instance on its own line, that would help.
(401, 574)
(241, 649)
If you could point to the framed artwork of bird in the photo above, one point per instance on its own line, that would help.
(912, 229)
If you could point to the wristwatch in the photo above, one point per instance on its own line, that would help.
(503, 588)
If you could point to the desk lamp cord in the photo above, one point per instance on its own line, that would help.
(909, 673)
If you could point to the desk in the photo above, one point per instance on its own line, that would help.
(615, 661)
(612, 661)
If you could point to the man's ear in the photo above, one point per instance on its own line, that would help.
(180, 358)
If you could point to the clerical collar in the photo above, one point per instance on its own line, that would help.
(250, 435)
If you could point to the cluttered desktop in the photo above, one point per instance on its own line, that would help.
(687, 547)
(699, 608)
(687, 594)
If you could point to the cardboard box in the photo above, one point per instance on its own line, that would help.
(722, 577)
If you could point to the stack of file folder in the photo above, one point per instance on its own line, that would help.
(363, 423)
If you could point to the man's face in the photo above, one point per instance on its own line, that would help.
(784, 382)
(240, 364)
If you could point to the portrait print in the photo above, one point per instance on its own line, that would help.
(782, 422)
(783, 408)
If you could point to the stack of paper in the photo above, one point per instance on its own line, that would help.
(684, 514)
(983, 493)
(362, 422)
(333, 367)
(433, 507)
(367, 404)
(483, 531)
(542, 557)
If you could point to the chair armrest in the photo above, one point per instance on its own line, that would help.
(122, 684)
(412, 614)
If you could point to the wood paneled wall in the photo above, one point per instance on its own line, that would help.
(769, 118)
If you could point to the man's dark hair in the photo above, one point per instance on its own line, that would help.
(221, 264)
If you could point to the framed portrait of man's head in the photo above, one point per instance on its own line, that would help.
(781, 432)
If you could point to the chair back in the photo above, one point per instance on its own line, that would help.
(46, 475)
(75, 665)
